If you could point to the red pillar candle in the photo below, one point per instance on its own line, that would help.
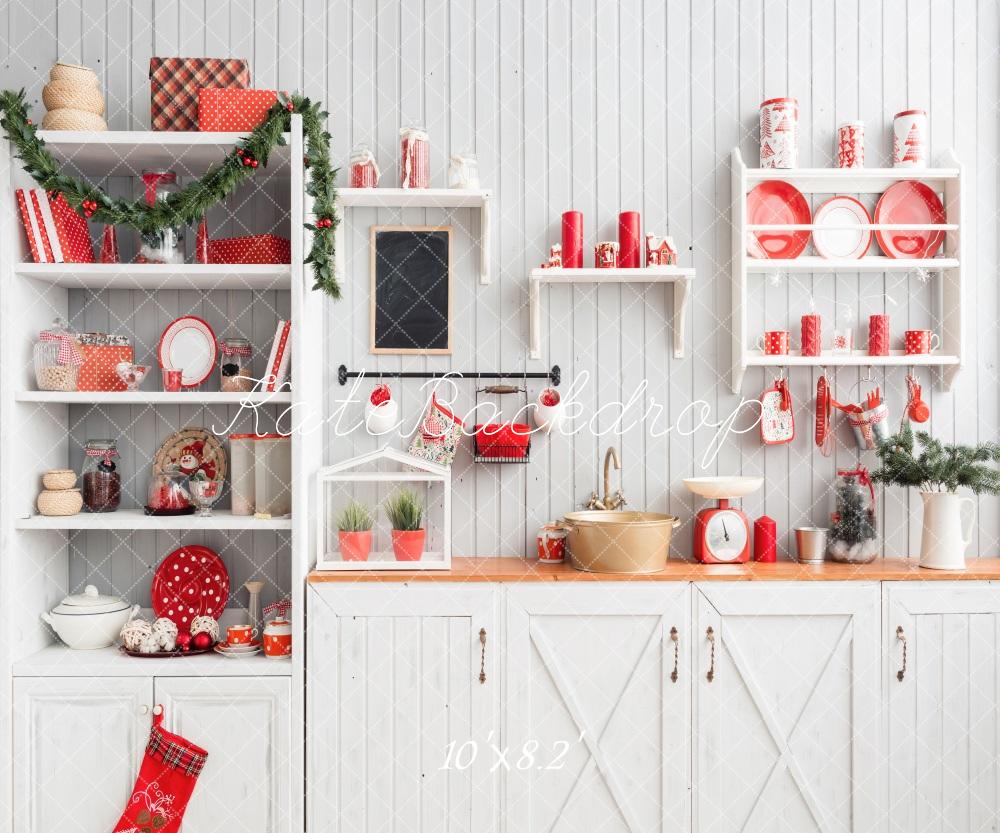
(765, 540)
(878, 335)
(812, 334)
(629, 240)
(572, 240)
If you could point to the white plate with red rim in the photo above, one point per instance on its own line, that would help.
(240, 651)
(188, 344)
(845, 236)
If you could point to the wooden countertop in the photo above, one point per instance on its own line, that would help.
(513, 569)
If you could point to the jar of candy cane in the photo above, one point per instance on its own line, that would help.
(364, 171)
(414, 158)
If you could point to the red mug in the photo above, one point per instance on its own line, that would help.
(917, 342)
(774, 342)
(552, 544)
(240, 634)
(171, 379)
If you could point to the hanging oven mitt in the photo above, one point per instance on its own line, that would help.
(777, 422)
(167, 775)
(436, 438)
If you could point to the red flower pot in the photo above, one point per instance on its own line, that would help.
(408, 544)
(355, 546)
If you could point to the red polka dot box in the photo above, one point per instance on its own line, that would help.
(231, 109)
(191, 581)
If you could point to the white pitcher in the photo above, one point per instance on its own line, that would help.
(945, 538)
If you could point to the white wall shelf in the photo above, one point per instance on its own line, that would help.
(152, 276)
(52, 397)
(136, 519)
(442, 198)
(947, 180)
(679, 276)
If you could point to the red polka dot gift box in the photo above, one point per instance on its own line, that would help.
(101, 353)
(226, 109)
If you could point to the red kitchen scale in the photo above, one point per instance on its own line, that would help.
(722, 533)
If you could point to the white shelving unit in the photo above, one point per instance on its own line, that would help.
(42, 555)
(446, 198)
(679, 276)
(946, 180)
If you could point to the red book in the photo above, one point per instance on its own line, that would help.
(33, 226)
(67, 232)
(277, 362)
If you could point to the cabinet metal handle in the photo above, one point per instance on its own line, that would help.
(902, 638)
(674, 637)
(482, 656)
(710, 636)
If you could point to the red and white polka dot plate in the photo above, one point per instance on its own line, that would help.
(191, 581)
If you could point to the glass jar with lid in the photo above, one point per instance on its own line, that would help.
(102, 482)
(57, 358)
(853, 536)
(235, 369)
(414, 158)
(463, 171)
(364, 170)
(164, 245)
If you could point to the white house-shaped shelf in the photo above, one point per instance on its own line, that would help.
(371, 479)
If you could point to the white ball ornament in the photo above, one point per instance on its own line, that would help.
(205, 624)
(165, 630)
(149, 645)
(133, 633)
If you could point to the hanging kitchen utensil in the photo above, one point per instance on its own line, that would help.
(502, 442)
(824, 414)
(777, 421)
(870, 420)
(916, 409)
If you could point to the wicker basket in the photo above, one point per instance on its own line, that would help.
(74, 73)
(61, 94)
(62, 502)
(66, 118)
(59, 479)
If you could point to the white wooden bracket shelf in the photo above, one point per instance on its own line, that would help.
(949, 267)
(442, 198)
(679, 276)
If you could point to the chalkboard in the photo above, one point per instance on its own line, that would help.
(411, 289)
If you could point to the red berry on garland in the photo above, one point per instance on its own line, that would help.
(290, 107)
(305, 161)
(201, 641)
(30, 122)
(184, 641)
(239, 151)
(253, 163)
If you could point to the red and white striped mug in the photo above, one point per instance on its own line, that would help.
(774, 342)
(917, 342)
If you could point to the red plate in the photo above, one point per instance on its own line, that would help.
(188, 344)
(773, 203)
(909, 201)
(191, 581)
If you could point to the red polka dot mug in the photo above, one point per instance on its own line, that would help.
(774, 342)
(918, 342)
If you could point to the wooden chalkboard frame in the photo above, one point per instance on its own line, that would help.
(375, 230)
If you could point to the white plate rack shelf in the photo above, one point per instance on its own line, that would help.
(46, 558)
(946, 181)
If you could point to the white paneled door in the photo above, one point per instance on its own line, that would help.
(402, 703)
(244, 723)
(943, 692)
(786, 708)
(597, 710)
(77, 747)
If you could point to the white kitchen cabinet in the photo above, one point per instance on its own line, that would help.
(402, 708)
(244, 722)
(77, 747)
(787, 707)
(942, 681)
(597, 711)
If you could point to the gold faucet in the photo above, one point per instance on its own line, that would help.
(608, 502)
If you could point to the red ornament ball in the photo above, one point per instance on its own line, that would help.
(291, 107)
(184, 641)
(201, 641)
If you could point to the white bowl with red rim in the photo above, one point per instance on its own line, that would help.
(549, 410)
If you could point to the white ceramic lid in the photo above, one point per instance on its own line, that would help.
(89, 602)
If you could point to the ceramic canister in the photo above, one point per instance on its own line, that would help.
(278, 638)
(779, 133)
(909, 139)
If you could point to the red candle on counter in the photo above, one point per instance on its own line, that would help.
(878, 335)
(572, 240)
(765, 540)
(812, 334)
(629, 240)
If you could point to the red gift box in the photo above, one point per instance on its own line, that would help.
(254, 248)
(174, 84)
(56, 233)
(230, 109)
(98, 370)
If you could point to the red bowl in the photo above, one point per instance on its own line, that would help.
(502, 439)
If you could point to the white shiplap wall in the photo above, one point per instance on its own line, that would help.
(603, 106)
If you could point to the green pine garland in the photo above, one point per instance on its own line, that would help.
(188, 206)
(936, 466)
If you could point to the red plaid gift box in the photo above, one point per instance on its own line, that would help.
(174, 84)
(101, 352)
(225, 109)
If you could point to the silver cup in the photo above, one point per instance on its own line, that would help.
(810, 541)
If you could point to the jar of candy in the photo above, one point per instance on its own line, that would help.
(165, 245)
(235, 371)
(57, 358)
(414, 158)
(853, 536)
(364, 171)
(102, 482)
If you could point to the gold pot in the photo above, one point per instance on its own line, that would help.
(619, 542)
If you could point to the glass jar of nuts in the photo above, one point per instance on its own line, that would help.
(235, 370)
(57, 358)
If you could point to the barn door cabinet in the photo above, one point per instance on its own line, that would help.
(79, 741)
(942, 684)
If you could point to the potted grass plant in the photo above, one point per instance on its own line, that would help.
(938, 470)
(405, 514)
(355, 532)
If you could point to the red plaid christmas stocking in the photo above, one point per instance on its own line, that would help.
(165, 782)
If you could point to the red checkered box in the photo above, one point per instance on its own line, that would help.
(226, 109)
(174, 84)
